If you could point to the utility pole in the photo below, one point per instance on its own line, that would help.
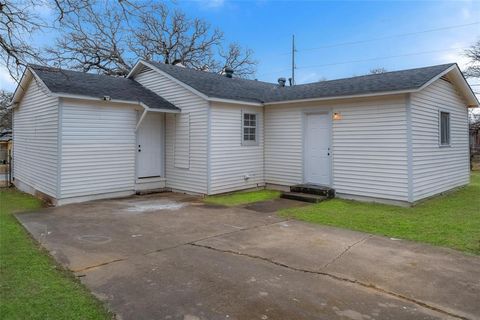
(293, 60)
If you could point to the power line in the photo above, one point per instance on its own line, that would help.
(378, 58)
(366, 60)
(334, 45)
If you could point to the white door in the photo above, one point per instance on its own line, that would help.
(149, 146)
(317, 149)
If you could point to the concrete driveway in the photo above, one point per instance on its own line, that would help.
(169, 256)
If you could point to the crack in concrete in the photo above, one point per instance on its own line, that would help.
(338, 278)
(178, 245)
(346, 250)
(98, 265)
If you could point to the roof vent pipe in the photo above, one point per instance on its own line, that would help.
(228, 72)
(281, 82)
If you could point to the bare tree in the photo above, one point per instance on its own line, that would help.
(92, 42)
(172, 38)
(473, 70)
(378, 70)
(101, 40)
(239, 59)
(17, 22)
(5, 113)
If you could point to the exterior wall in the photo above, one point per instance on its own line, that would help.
(435, 168)
(230, 161)
(97, 148)
(369, 146)
(35, 132)
(190, 177)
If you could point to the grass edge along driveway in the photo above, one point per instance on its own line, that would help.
(450, 220)
(32, 285)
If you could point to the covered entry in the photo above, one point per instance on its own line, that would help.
(150, 146)
(317, 153)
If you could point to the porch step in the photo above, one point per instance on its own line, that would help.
(305, 197)
(313, 189)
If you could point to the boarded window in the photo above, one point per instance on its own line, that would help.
(182, 140)
(444, 128)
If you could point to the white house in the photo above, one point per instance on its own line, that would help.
(398, 136)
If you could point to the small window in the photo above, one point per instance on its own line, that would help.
(249, 130)
(444, 128)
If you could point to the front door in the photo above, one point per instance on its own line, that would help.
(149, 146)
(317, 149)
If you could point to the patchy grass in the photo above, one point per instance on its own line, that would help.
(238, 198)
(32, 285)
(451, 220)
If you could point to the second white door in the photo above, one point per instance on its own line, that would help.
(149, 146)
(317, 149)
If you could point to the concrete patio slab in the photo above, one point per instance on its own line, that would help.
(170, 256)
(98, 232)
(196, 283)
(441, 277)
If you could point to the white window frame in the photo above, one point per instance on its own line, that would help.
(249, 142)
(440, 129)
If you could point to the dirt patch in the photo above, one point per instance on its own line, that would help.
(274, 205)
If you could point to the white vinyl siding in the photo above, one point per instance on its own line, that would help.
(98, 149)
(369, 146)
(193, 178)
(438, 168)
(370, 149)
(283, 145)
(35, 132)
(231, 160)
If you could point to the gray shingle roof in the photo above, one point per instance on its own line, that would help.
(217, 86)
(95, 85)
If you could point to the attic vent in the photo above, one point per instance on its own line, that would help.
(144, 69)
(446, 79)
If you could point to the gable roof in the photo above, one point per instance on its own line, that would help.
(214, 85)
(66, 82)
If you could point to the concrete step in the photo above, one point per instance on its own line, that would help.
(312, 198)
(313, 189)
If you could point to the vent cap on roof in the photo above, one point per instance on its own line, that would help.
(228, 72)
(281, 82)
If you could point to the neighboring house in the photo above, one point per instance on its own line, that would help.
(397, 136)
(475, 138)
(5, 149)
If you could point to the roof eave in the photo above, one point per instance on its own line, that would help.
(365, 95)
(132, 102)
(464, 87)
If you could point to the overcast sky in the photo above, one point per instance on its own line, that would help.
(388, 34)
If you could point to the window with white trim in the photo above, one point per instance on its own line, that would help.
(249, 128)
(444, 128)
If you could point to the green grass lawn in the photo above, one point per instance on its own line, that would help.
(451, 220)
(239, 198)
(32, 285)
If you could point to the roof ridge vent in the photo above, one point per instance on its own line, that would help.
(228, 72)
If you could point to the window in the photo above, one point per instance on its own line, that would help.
(444, 128)
(249, 128)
